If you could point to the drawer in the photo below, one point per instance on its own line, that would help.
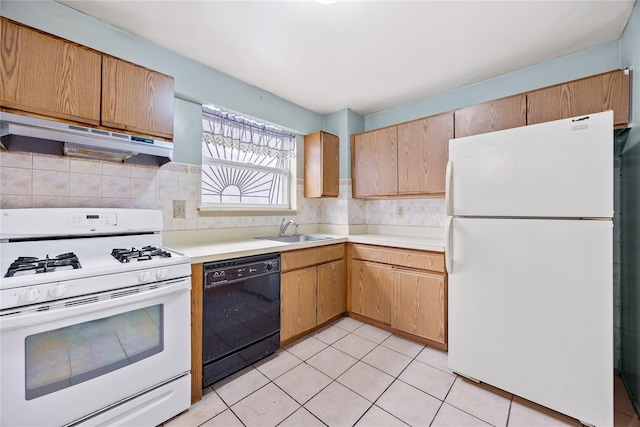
(422, 260)
(294, 260)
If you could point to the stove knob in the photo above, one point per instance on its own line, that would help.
(144, 277)
(30, 295)
(58, 290)
(162, 273)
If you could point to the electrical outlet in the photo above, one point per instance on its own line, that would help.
(399, 211)
(179, 208)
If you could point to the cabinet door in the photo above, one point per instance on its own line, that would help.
(371, 290)
(423, 150)
(136, 99)
(321, 165)
(608, 91)
(499, 114)
(332, 291)
(297, 302)
(375, 165)
(419, 304)
(45, 75)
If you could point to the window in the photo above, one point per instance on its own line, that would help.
(246, 165)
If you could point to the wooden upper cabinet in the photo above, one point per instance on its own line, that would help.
(423, 151)
(321, 165)
(375, 164)
(607, 91)
(499, 114)
(136, 99)
(45, 75)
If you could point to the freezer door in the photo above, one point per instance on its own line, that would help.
(562, 168)
(531, 311)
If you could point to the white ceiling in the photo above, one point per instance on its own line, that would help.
(366, 55)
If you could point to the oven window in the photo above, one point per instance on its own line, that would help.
(67, 356)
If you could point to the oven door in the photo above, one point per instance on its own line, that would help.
(65, 361)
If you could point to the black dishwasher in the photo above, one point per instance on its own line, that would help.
(240, 314)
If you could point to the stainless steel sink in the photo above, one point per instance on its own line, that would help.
(296, 238)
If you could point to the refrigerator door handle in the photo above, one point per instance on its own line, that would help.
(448, 261)
(448, 187)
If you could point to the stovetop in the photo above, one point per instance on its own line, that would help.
(67, 259)
(24, 265)
(80, 251)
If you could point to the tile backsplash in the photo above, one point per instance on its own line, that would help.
(36, 181)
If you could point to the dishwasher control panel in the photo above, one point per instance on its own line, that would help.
(223, 272)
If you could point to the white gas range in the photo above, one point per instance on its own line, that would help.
(94, 311)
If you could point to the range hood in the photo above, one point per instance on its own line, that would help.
(25, 133)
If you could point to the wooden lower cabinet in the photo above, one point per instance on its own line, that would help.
(418, 300)
(297, 302)
(405, 289)
(332, 290)
(370, 291)
(196, 332)
(312, 289)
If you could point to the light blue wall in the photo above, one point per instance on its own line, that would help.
(630, 253)
(193, 81)
(343, 123)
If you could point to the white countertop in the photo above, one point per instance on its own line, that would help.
(215, 250)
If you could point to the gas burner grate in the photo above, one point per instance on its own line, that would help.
(144, 254)
(34, 265)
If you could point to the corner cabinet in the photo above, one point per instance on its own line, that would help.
(312, 289)
(402, 289)
(321, 165)
(48, 76)
(606, 91)
(136, 99)
(423, 151)
(44, 75)
(406, 160)
(375, 163)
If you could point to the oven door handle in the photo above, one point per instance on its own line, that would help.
(79, 306)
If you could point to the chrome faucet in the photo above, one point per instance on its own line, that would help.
(284, 225)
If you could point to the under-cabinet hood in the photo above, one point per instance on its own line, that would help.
(25, 133)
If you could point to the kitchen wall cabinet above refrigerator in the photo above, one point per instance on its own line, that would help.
(607, 91)
(408, 159)
(491, 116)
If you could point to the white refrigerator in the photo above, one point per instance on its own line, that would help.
(529, 253)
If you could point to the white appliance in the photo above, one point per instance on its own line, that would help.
(529, 256)
(94, 319)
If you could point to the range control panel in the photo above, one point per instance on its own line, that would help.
(81, 219)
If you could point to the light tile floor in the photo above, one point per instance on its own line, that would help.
(353, 374)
